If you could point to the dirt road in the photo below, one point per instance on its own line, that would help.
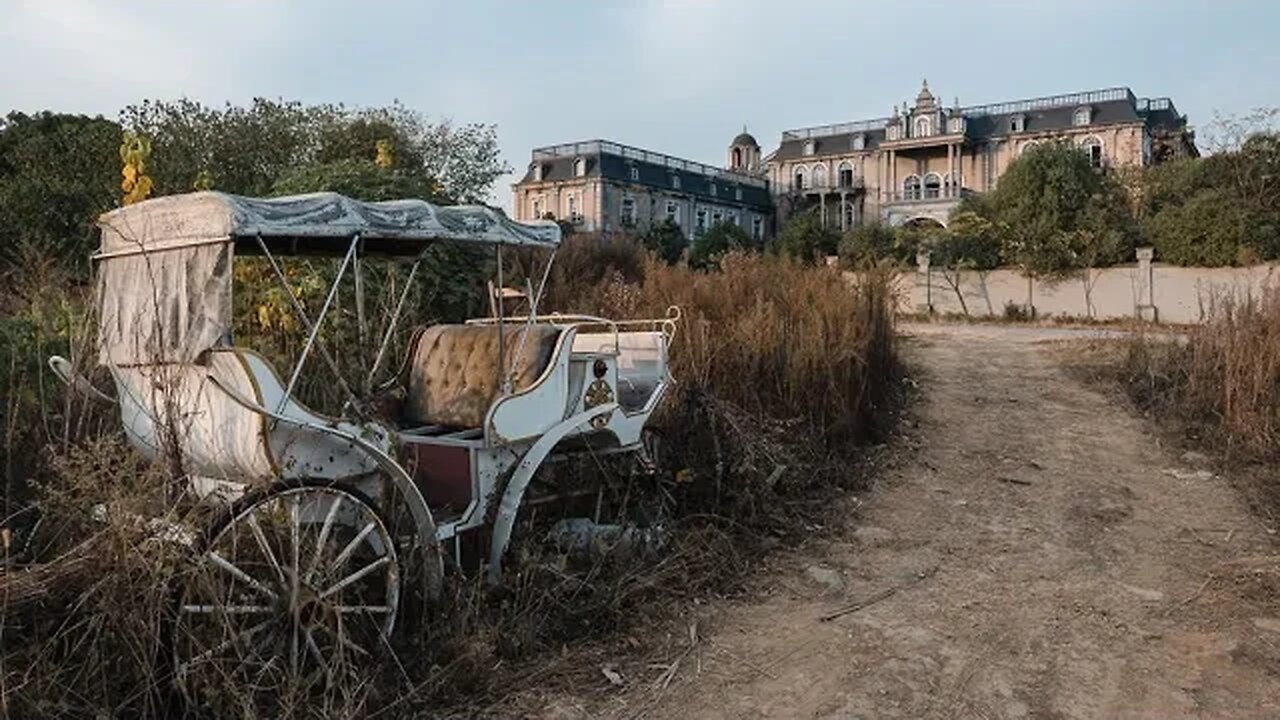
(1046, 558)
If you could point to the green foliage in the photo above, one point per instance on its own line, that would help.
(872, 243)
(665, 239)
(1057, 215)
(1220, 210)
(57, 174)
(722, 238)
(1208, 229)
(246, 150)
(970, 242)
(804, 237)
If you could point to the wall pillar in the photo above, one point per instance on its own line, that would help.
(822, 205)
(1145, 307)
(843, 200)
(925, 279)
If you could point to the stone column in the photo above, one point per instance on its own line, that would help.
(951, 169)
(893, 174)
(843, 199)
(822, 204)
(1145, 308)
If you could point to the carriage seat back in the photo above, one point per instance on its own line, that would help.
(453, 370)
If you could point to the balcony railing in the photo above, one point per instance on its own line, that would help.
(856, 183)
(606, 147)
(928, 195)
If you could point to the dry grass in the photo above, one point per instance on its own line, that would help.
(1224, 382)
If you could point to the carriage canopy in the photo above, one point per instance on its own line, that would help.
(164, 276)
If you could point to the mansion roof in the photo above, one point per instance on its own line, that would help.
(626, 164)
(993, 121)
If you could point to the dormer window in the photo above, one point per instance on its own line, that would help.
(737, 193)
(1017, 124)
(675, 182)
(955, 125)
(579, 167)
(859, 141)
(1082, 116)
(713, 189)
(537, 172)
(924, 128)
(810, 146)
(635, 174)
(892, 132)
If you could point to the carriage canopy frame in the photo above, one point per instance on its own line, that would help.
(165, 265)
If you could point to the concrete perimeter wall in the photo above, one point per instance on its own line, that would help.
(1146, 290)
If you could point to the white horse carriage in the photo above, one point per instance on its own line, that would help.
(327, 519)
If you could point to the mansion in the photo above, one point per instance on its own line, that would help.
(914, 165)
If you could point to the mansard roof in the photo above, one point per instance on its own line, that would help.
(991, 122)
(615, 161)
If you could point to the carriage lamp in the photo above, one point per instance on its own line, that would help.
(599, 368)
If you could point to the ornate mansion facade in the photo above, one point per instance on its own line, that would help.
(918, 162)
(914, 165)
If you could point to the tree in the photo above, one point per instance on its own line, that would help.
(1057, 216)
(806, 238)
(246, 149)
(1223, 209)
(665, 239)
(712, 245)
(872, 243)
(970, 243)
(57, 174)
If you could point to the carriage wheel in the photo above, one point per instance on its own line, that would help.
(294, 588)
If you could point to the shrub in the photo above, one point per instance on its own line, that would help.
(710, 246)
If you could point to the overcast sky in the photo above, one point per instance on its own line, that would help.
(677, 76)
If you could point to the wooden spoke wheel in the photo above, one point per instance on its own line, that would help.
(294, 588)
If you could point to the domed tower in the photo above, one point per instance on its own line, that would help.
(744, 153)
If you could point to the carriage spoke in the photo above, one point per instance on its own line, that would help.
(351, 546)
(355, 576)
(324, 535)
(236, 638)
(261, 538)
(370, 609)
(240, 575)
(344, 641)
(226, 609)
(295, 527)
(319, 656)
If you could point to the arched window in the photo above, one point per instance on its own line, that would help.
(1092, 147)
(1027, 146)
(932, 186)
(923, 127)
(801, 179)
(579, 167)
(911, 188)
(819, 176)
(845, 174)
(846, 215)
(737, 158)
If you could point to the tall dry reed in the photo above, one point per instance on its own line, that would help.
(1224, 380)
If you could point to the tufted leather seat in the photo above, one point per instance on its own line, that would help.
(453, 370)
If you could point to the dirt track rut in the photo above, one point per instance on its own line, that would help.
(1049, 558)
